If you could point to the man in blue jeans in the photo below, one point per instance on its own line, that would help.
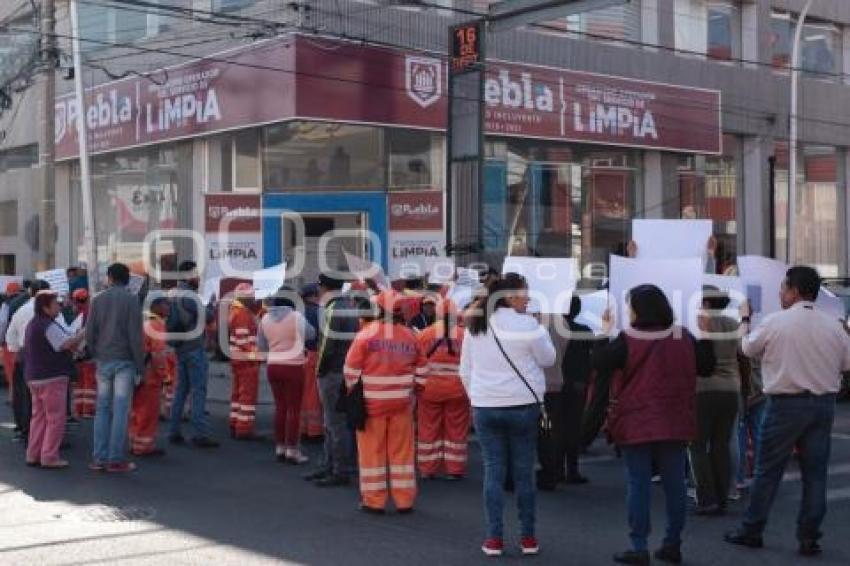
(114, 340)
(187, 332)
(803, 352)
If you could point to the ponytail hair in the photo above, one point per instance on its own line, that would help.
(497, 294)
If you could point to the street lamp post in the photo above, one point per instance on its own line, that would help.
(791, 245)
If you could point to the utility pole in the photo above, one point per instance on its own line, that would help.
(82, 140)
(46, 143)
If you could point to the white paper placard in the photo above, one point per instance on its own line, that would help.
(267, 281)
(551, 281)
(442, 271)
(831, 304)
(671, 239)
(467, 277)
(680, 280)
(210, 289)
(762, 279)
(57, 278)
(593, 306)
(461, 295)
(364, 269)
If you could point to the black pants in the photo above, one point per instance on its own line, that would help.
(21, 401)
(710, 452)
(562, 443)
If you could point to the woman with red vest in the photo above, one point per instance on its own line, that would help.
(385, 355)
(443, 411)
(85, 390)
(652, 412)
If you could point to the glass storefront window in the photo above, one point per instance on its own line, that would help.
(559, 200)
(416, 159)
(817, 208)
(819, 48)
(234, 162)
(135, 193)
(322, 156)
(708, 189)
(709, 27)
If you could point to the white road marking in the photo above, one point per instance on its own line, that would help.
(836, 470)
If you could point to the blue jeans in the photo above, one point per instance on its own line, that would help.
(504, 431)
(749, 426)
(805, 422)
(115, 383)
(669, 458)
(191, 378)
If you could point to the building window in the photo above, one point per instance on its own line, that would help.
(231, 5)
(7, 264)
(234, 162)
(558, 200)
(817, 208)
(22, 157)
(323, 156)
(137, 192)
(9, 218)
(709, 27)
(615, 22)
(708, 189)
(819, 45)
(416, 159)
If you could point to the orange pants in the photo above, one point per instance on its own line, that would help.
(85, 390)
(9, 359)
(386, 446)
(167, 387)
(243, 397)
(144, 418)
(442, 435)
(311, 406)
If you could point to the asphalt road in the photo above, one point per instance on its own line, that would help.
(235, 505)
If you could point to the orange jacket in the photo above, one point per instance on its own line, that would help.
(442, 381)
(242, 332)
(388, 358)
(156, 346)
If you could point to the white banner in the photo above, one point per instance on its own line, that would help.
(414, 253)
(762, 279)
(551, 281)
(267, 281)
(671, 239)
(679, 279)
(57, 278)
(234, 254)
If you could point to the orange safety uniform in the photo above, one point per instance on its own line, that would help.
(443, 410)
(242, 333)
(9, 361)
(311, 405)
(144, 418)
(387, 358)
(85, 390)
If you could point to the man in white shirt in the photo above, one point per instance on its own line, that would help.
(803, 353)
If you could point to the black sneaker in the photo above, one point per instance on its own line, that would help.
(638, 557)
(669, 553)
(332, 481)
(315, 475)
(176, 439)
(205, 442)
(743, 538)
(809, 548)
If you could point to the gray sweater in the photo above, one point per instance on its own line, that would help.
(114, 327)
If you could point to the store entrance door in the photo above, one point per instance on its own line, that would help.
(322, 243)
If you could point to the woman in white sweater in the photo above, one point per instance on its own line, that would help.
(505, 351)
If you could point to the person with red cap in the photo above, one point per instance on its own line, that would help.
(85, 390)
(386, 358)
(144, 418)
(443, 410)
(244, 363)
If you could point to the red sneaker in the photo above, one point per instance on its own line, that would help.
(493, 547)
(121, 468)
(529, 546)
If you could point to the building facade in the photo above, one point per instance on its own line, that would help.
(337, 111)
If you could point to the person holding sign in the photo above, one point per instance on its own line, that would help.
(652, 413)
(803, 352)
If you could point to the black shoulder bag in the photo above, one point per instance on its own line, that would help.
(545, 421)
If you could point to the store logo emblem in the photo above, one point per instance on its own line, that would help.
(423, 80)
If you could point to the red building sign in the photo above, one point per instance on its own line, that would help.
(296, 77)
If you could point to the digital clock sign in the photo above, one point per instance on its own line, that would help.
(466, 42)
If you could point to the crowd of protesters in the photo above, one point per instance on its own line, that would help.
(393, 379)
